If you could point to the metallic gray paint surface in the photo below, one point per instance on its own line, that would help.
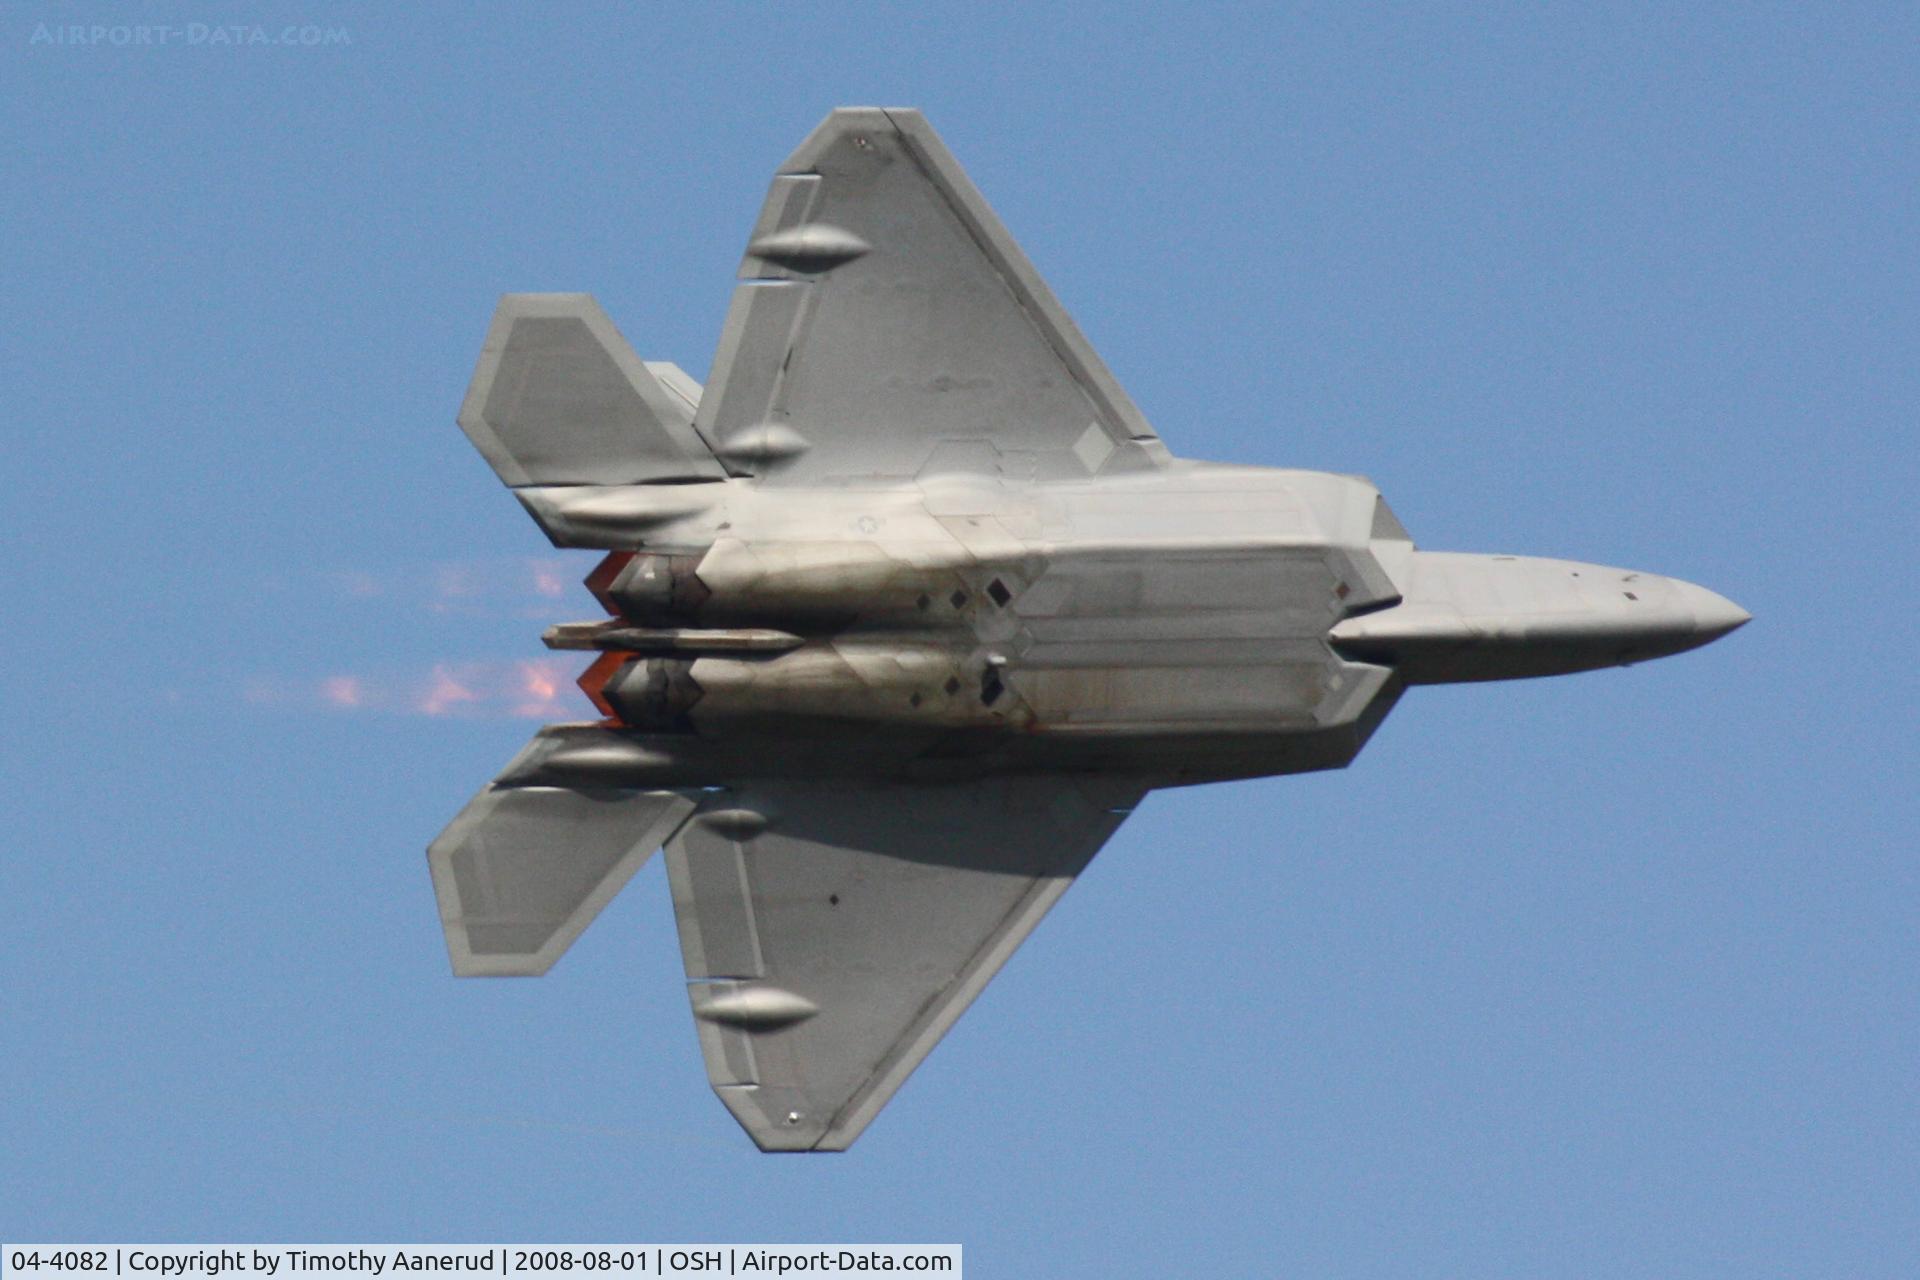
(907, 611)
(1477, 617)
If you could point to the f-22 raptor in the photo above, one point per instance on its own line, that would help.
(907, 609)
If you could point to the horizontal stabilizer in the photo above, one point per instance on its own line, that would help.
(523, 871)
(559, 398)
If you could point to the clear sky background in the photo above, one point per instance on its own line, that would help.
(1610, 975)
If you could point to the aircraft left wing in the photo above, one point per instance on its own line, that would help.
(832, 933)
(887, 325)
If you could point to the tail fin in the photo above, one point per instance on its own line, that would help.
(560, 399)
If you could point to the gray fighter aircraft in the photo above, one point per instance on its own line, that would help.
(907, 610)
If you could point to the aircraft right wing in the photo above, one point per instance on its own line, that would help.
(833, 932)
(886, 320)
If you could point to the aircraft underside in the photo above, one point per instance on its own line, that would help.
(906, 611)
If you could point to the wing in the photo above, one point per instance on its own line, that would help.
(833, 932)
(523, 870)
(885, 312)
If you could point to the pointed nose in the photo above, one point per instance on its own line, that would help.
(1713, 614)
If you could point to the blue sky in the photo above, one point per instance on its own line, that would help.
(1607, 975)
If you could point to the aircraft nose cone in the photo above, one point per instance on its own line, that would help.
(1713, 614)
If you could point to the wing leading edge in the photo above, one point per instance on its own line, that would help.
(833, 933)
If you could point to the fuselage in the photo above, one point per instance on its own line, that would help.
(1186, 624)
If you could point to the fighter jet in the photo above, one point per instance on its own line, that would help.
(907, 609)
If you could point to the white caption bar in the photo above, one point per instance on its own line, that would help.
(468, 1261)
